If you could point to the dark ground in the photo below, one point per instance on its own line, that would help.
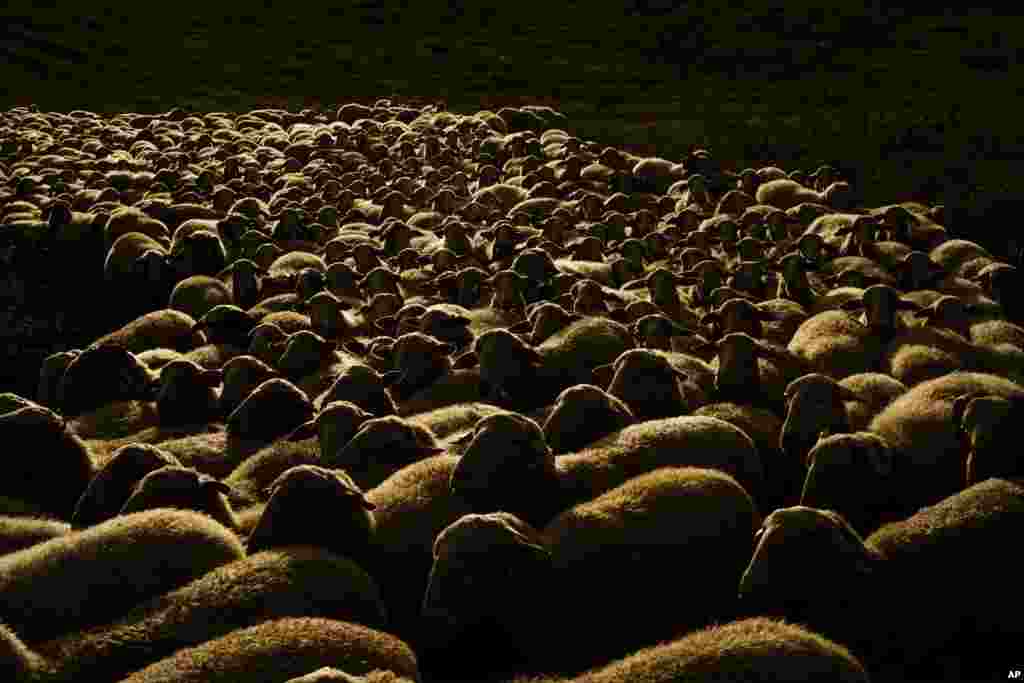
(908, 106)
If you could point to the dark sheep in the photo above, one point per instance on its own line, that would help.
(273, 409)
(57, 467)
(627, 532)
(363, 386)
(310, 489)
(583, 414)
(173, 486)
(112, 485)
(381, 447)
(116, 565)
(852, 475)
(101, 374)
(297, 581)
(187, 393)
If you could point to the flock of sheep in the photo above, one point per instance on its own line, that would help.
(397, 394)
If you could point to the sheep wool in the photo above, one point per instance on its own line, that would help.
(276, 650)
(116, 564)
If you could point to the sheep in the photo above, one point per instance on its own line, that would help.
(300, 491)
(411, 507)
(836, 599)
(326, 317)
(462, 607)
(381, 447)
(137, 259)
(173, 486)
(874, 391)
(923, 353)
(196, 295)
(272, 410)
(814, 403)
(583, 414)
(116, 564)
(751, 371)
(187, 393)
(420, 360)
(100, 374)
(986, 423)
(747, 649)
(763, 427)
(244, 286)
(127, 220)
(564, 359)
(60, 465)
(227, 324)
(334, 425)
(50, 373)
(165, 329)
(960, 538)
(450, 424)
(200, 253)
(279, 649)
(240, 376)
(909, 562)
(836, 345)
(305, 353)
(18, 532)
(920, 430)
(492, 475)
(628, 531)
(266, 342)
(851, 474)
(649, 385)
(363, 386)
(784, 193)
(112, 485)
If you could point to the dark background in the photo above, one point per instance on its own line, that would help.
(907, 105)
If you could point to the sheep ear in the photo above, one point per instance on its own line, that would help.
(212, 377)
(306, 430)
(602, 375)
